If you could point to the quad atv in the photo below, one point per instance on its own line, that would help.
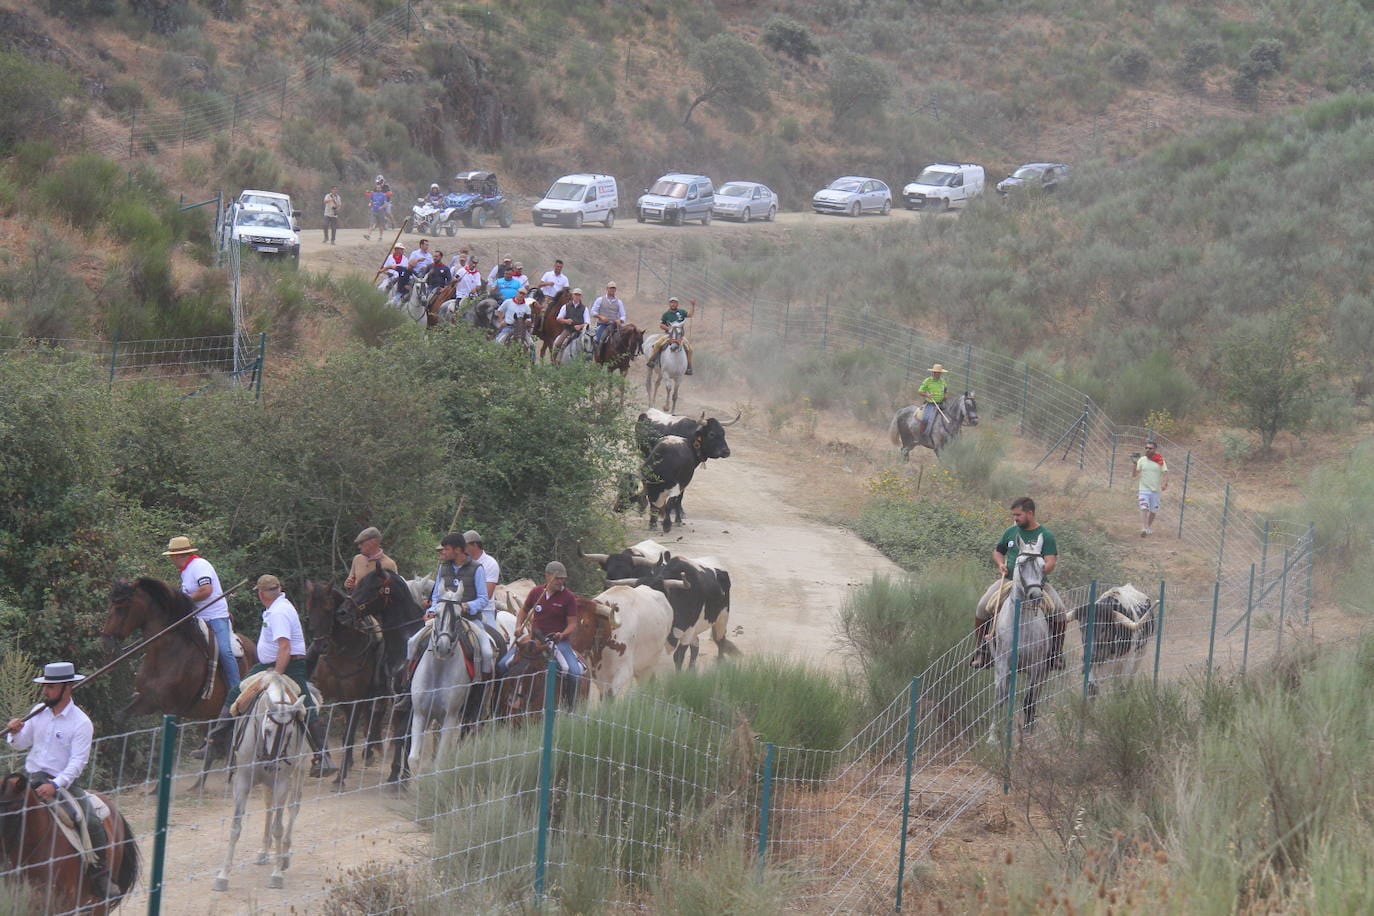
(477, 198)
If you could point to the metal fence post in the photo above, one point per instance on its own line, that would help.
(1025, 396)
(1221, 544)
(639, 266)
(1249, 606)
(786, 315)
(1183, 500)
(541, 849)
(1083, 432)
(1264, 553)
(1111, 468)
(1159, 632)
(114, 358)
(164, 802)
(910, 345)
(913, 700)
(825, 325)
(968, 366)
(1212, 635)
(752, 303)
(1091, 638)
(1311, 558)
(1283, 600)
(1011, 692)
(261, 366)
(770, 753)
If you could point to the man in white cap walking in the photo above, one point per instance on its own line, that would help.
(58, 739)
(370, 553)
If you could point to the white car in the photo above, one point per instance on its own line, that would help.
(267, 231)
(275, 199)
(577, 199)
(745, 200)
(853, 195)
(944, 186)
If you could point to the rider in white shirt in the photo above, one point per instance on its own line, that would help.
(510, 311)
(554, 281)
(420, 259)
(608, 312)
(499, 270)
(469, 279)
(574, 318)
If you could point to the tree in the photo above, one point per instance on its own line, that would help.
(858, 85)
(1266, 376)
(788, 36)
(735, 74)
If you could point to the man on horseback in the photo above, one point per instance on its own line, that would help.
(469, 280)
(472, 546)
(499, 270)
(554, 281)
(369, 554)
(281, 647)
(58, 740)
(1004, 554)
(933, 391)
(200, 583)
(462, 575)
(608, 312)
(513, 310)
(507, 286)
(574, 318)
(674, 315)
(551, 613)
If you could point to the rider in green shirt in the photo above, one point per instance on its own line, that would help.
(933, 390)
(1025, 528)
(675, 315)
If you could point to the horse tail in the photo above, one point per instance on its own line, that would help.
(129, 862)
(896, 428)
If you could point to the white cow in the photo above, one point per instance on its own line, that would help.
(640, 620)
(511, 596)
(1119, 628)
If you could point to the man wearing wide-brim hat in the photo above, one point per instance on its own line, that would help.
(200, 583)
(933, 391)
(370, 553)
(58, 738)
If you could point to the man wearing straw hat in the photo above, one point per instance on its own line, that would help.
(58, 739)
(933, 390)
(200, 583)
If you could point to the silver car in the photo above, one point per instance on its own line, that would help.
(852, 195)
(1044, 176)
(745, 200)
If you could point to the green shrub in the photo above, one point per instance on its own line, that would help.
(124, 96)
(1130, 66)
(926, 531)
(250, 167)
(788, 36)
(858, 86)
(133, 223)
(31, 94)
(82, 190)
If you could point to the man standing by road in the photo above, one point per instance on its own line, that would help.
(608, 312)
(333, 203)
(370, 553)
(200, 583)
(674, 315)
(1024, 528)
(1153, 474)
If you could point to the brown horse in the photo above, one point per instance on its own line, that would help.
(347, 670)
(438, 299)
(620, 348)
(522, 687)
(548, 329)
(32, 846)
(171, 679)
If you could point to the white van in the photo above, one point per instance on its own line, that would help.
(944, 186)
(576, 199)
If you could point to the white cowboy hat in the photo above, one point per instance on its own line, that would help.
(59, 673)
(937, 368)
(178, 546)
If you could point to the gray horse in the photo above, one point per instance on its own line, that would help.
(578, 350)
(948, 421)
(439, 687)
(671, 368)
(1032, 657)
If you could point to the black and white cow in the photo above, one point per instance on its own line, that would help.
(1119, 629)
(699, 591)
(706, 435)
(631, 563)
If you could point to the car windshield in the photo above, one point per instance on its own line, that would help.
(565, 190)
(253, 200)
(937, 178)
(268, 219)
(676, 189)
(1027, 171)
(735, 190)
(845, 184)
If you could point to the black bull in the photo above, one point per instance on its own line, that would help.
(672, 451)
(697, 592)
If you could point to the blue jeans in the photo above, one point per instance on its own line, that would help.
(570, 663)
(928, 413)
(224, 639)
(601, 331)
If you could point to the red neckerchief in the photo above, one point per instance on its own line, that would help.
(471, 269)
(1156, 457)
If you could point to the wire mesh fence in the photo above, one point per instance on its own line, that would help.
(191, 361)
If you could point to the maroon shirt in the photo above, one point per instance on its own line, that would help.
(551, 611)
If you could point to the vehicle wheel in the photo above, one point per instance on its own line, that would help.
(450, 228)
(746, 217)
(503, 218)
(706, 218)
(577, 221)
(609, 221)
(467, 218)
(639, 215)
(772, 214)
(479, 218)
(887, 207)
(854, 209)
(537, 220)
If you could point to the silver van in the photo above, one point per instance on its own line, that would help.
(676, 198)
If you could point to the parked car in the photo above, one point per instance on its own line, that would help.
(266, 230)
(1043, 175)
(575, 199)
(676, 198)
(745, 200)
(944, 186)
(271, 199)
(853, 194)
(476, 197)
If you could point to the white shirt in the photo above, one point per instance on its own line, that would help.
(511, 310)
(552, 284)
(197, 573)
(468, 280)
(420, 260)
(609, 308)
(61, 744)
(280, 619)
(490, 567)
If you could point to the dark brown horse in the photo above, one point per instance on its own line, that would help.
(347, 668)
(523, 686)
(438, 299)
(386, 596)
(33, 847)
(171, 679)
(548, 329)
(620, 348)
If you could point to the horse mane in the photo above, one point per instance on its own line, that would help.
(175, 604)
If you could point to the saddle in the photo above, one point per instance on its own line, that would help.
(467, 636)
(254, 684)
(213, 645)
(71, 814)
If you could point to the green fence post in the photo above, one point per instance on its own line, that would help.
(1159, 631)
(1111, 468)
(164, 802)
(1221, 544)
(913, 700)
(770, 753)
(1249, 606)
(1092, 632)
(1311, 558)
(1183, 500)
(262, 365)
(1283, 600)
(114, 358)
(1025, 396)
(1011, 692)
(1212, 636)
(541, 848)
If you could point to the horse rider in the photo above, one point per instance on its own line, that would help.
(420, 259)
(518, 273)
(574, 318)
(200, 583)
(933, 391)
(499, 271)
(397, 267)
(674, 315)
(58, 739)
(511, 311)
(460, 574)
(551, 614)
(281, 648)
(439, 274)
(505, 287)
(608, 312)
(370, 553)
(554, 281)
(469, 280)
(1025, 527)
(472, 547)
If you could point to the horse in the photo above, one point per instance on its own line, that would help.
(437, 302)
(1032, 642)
(672, 365)
(270, 751)
(484, 316)
(619, 349)
(522, 338)
(440, 685)
(522, 688)
(548, 329)
(581, 349)
(347, 667)
(944, 428)
(34, 849)
(387, 597)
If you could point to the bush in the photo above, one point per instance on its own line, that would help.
(1267, 376)
(1198, 57)
(858, 86)
(31, 96)
(788, 36)
(124, 96)
(82, 190)
(1130, 66)
(1265, 57)
(924, 532)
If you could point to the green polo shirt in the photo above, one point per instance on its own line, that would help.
(934, 388)
(674, 316)
(1007, 544)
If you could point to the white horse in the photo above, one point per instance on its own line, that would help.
(949, 420)
(439, 688)
(578, 350)
(1032, 642)
(671, 368)
(269, 751)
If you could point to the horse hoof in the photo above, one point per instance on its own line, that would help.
(264, 858)
(221, 884)
(276, 882)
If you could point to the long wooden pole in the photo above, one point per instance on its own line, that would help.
(382, 269)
